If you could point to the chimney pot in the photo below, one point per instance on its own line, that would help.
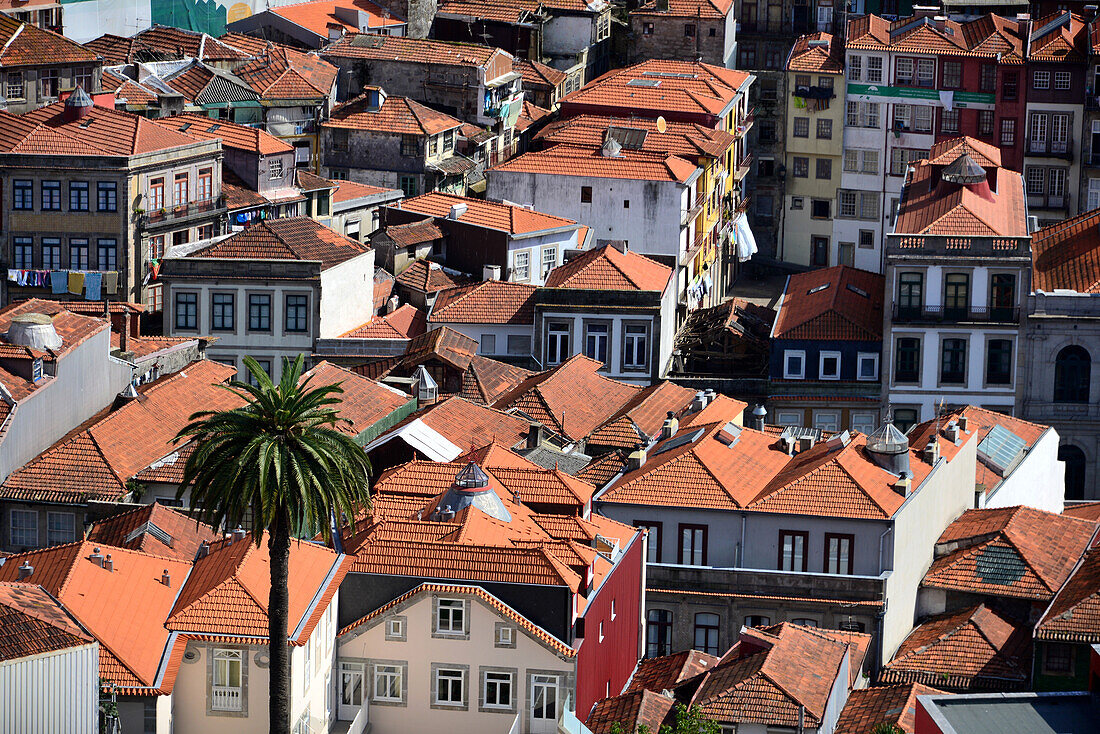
(239, 533)
(96, 557)
(108, 563)
(25, 570)
(166, 578)
(637, 458)
(534, 436)
(759, 414)
(204, 549)
(805, 443)
(963, 421)
(668, 429)
(952, 432)
(932, 451)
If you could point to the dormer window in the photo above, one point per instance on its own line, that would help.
(36, 370)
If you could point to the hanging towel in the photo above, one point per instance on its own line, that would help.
(110, 282)
(22, 279)
(13, 275)
(59, 280)
(76, 283)
(92, 284)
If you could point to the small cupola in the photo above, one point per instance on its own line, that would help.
(472, 477)
(78, 105)
(889, 448)
(964, 171)
(470, 489)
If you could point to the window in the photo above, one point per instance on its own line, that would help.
(801, 127)
(757, 620)
(205, 231)
(557, 342)
(805, 622)
(259, 312)
(395, 629)
(51, 195)
(107, 251)
(838, 553)
(409, 186)
(49, 82)
(985, 122)
(487, 344)
(874, 70)
(410, 145)
(448, 141)
(998, 363)
(339, 143)
(647, 29)
(765, 167)
(586, 194)
(953, 361)
(1061, 80)
(51, 253)
(1072, 375)
(519, 344)
(866, 239)
(829, 366)
(746, 59)
(206, 185)
(296, 316)
(824, 168)
(952, 74)
(653, 541)
(1010, 87)
(24, 253)
(595, 341)
(689, 30)
(706, 633)
(949, 121)
(956, 303)
(1002, 296)
(819, 208)
(450, 617)
(792, 550)
(496, 689)
(635, 347)
(859, 204)
(798, 202)
(922, 119)
(225, 688)
(926, 72)
(855, 68)
(794, 364)
(221, 312)
(22, 195)
(275, 168)
(550, 258)
(106, 196)
(1040, 80)
(693, 545)
(1036, 180)
(24, 528)
(78, 196)
(801, 80)
(78, 254)
(13, 86)
(388, 683)
(450, 684)
(156, 193)
(867, 366)
(864, 421)
(907, 361)
(1008, 132)
(766, 131)
(658, 633)
(903, 71)
(900, 158)
(1058, 658)
(180, 192)
(989, 78)
(858, 160)
(521, 265)
(801, 167)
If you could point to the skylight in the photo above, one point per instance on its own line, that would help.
(858, 290)
(150, 528)
(677, 441)
(817, 289)
(213, 127)
(644, 83)
(1001, 449)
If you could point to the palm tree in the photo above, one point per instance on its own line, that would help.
(279, 460)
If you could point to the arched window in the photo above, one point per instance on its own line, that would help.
(1075, 470)
(1072, 371)
(659, 633)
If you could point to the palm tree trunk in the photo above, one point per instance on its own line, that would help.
(278, 610)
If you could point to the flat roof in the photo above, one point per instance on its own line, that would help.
(1014, 713)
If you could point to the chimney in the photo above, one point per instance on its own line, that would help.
(124, 335)
(490, 272)
(239, 534)
(963, 421)
(932, 451)
(759, 413)
(392, 304)
(903, 486)
(699, 402)
(204, 550)
(925, 11)
(711, 395)
(96, 557)
(668, 429)
(805, 443)
(788, 444)
(447, 514)
(25, 570)
(940, 22)
(534, 436)
(637, 458)
(952, 432)
(166, 578)
(108, 563)
(457, 210)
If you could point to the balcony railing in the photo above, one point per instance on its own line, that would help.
(917, 245)
(184, 211)
(1092, 102)
(742, 168)
(225, 699)
(1053, 148)
(694, 211)
(1091, 158)
(951, 315)
(1048, 201)
(745, 123)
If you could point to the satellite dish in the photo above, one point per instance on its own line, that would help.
(661, 124)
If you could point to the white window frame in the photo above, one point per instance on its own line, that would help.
(521, 265)
(860, 359)
(487, 344)
(549, 260)
(632, 339)
(451, 616)
(781, 418)
(461, 678)
(506, 636)
(559, 337)
(787, 354)
(827, 420)
(389, 673)
(821, 357)
(11, 527)
(864, 421)
(500, 677)
(224, 658)
(395, 627)
(874, 69)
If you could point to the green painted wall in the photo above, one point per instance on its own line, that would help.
(1079, 681)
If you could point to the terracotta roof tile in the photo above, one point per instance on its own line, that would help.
(404, 323)
(137, 529)
(711, 9)
(608, 268)
(127, 90)
(486, 379)
(529, 115)
(396, 115)
(867, 708)
(24, 44)
(1083, 511)
(290, 238)
(665, 673)
(427, 277)
(990, 36)
(1074, 614)
(120, 50)
(445, 344)
(603, 469)
(512, 12)
(285, 74)
(363, 402)
(537, 75)
(410, 50)
(1066, 255)
(630, 711)
(837, 303)
(974, 649)
(467, 425)
(32, 623)
(319, 16)
(237, 194)
(1061, 37)
(350, 190)
(232, 135)
(487, 302)
(827, 59)
(640, 419)
(180, 43)
(684, 139)
(414, 233)
(510, 218)
(568, 160)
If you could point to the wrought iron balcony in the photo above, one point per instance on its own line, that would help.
(952, 315)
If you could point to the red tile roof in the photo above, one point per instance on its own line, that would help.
(944, 152)
(837, 303)
(933, 206)
(350, 190)
(414, 233)
(233, 136)
(404, 323)
(572, 399)
(427, 277)
(487, 302)
(33, 623)
(684, 139)
(609, 269)
(128, 91)
(641, 418)
(120, 50)
(73, 328)
(1061, 37)
(665, 673)
(180, 43)
(24, 44)
(1074, 614)
(281, 73)
(467, 425)
(227, 591)
(95, 460)
(290, 238)
(102, 132)
(404, 49)
(629, 712)
(444, 344)
(319, 16)
(136, 529)
(537, 75)
(396, 115)
(510, 218)
(990, 36)
(680, 87)
(567, 160)
(246, 44)
(363, 402)
(868, 708)
(816, 58)
(486, 379)
(1083, 511)
(710, 9)
(1066, 255)
(974, 649)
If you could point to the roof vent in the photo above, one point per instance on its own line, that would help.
(446, 514)
(612, 148)
(108, 563)
(889, 448)
(699, 402)
(670, 426)
(457, 210)
(96, 557)
(166, 578)
(932, 450)
(203, 551)
(637, 458)
(25, 570)
(759, 414)
(78, 105)
(963, 171)
(34, 331)
(128, 395)
(239, 533)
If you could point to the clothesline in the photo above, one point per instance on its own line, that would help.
(89, 283)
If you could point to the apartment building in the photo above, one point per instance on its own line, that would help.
(911, 83)
(39, 66)
(128, 187)
(812, 163)
(957, 274)
(686, 30)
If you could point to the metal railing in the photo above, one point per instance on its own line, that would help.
(225, 699)
(950, 315)
(182, 211)
(1058, 148)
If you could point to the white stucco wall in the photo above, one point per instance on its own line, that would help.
(1038, 481)
(347, 295)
